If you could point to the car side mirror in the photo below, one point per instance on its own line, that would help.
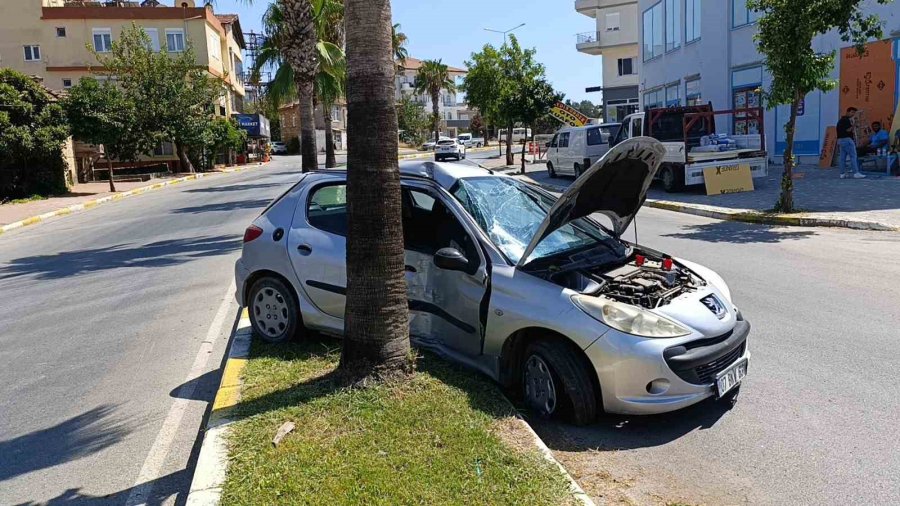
(450, 259)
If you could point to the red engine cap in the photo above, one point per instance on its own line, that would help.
(639, 260)
(667, 264)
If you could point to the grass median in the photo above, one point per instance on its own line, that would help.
(445, 436)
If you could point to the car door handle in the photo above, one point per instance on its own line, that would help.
(410, 268)
(304, 249)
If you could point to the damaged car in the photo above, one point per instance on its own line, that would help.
(534, 290)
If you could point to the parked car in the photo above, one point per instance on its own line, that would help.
(470, 142)
(429, 146)
(573, 149)
(279, 148)
(450, 148)
(529, 289)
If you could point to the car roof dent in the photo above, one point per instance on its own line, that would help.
(616, 186)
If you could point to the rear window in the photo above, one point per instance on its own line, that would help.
(327, 209)
(446, 143)
(599, 135)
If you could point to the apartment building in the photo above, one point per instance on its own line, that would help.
(454, 113)
(290, 124)
(699, 51)
(615, 40)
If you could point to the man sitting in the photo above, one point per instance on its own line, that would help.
(879, 139)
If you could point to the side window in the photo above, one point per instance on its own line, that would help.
(595, 137)
(326, 209)
(429, 225)
(564, 140)
(553, 142)
(636, 127)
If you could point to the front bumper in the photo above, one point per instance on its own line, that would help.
(650, 376)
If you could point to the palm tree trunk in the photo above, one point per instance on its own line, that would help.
(376, 318)
(299, 31)
(785, 202)
(510, 160)
(435, 116)
(309, 157)
(330, 160)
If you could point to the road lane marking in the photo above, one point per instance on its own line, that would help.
(153, 464)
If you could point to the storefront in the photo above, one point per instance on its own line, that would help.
(258, 134)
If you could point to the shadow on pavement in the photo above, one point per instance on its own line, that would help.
(617, 432)
(739, 233)
(224, 206)
(163, 489)
(234, 188)
(156, 254)
(77, 437)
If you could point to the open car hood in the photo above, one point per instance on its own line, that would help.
(615, 186)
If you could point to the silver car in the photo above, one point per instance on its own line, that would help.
(526, 287)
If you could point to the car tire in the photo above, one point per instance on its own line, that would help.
(556, 382)
(550, 170)
(478, 145)
(577, 171)
(274, 311)
(670, 181)
(437, 158)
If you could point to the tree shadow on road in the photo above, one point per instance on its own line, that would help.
(161, 490)
(224, 206)
(75, 438)
(155, 254)
(740, 233)
(235, 188)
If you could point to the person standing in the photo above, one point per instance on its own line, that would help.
(847, 146)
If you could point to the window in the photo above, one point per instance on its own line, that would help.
(626, 66)
(327, 209)
(336, 113)
(746, 94)
(215, 46)
(612, 22)
(32, 53)
(741, 15)
(174, 40)
(553, 142)
(60, 31)
(238, 70)
(67, 83)
(673, 24)
(653, 32)
(672, 98)
(598, 135)
(654, 98)
(102, 40)
(165, 148)
(692, 12)
(564, 140)
(637, 127)
(153, 33)
(692, 92)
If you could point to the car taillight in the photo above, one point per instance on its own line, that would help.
(251, 233)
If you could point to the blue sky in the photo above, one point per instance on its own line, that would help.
(453, 30)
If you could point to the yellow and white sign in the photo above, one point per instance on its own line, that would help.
(728, 179)
(569, 115)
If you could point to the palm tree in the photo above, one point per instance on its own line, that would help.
(432, 77)
(398, 46)
(329, 87)
(298, 48)
(376, 324)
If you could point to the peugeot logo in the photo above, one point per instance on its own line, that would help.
(715, 306)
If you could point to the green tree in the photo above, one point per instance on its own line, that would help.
(298, 48)
(587, 108)
(477, 127)
(376, 318)
(32, 131)
(432, 77)
(481, 84)
(412, 121)
(225, 135)
(175, 97)
(786, 32)
(102, 114)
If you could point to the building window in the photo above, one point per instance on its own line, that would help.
(612, 22)
(654, 98)
(336, 113)
(153, 34)
(692, 12)
(32, 53)
(238, 69)
(164, 149)
(102, 40)
(746, 92)
(692, 94)
(672, 96)
(673, 25)
(741, 15)
(653, 32)
(215, 46)
(60, 31)
(174, 40)
(67, 83)
(626, 66)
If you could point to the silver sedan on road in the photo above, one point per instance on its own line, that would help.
(526, 287)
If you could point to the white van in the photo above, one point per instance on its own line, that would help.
(519, 135)
(574, 149)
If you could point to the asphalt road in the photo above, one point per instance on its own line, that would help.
(817, 418)
(114, 323)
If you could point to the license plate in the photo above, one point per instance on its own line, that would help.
(731, 377)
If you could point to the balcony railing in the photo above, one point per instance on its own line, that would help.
(588, 38)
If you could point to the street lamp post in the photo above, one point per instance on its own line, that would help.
(504, 32)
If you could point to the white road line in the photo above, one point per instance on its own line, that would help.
(143, 486)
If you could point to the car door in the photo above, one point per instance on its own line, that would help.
(553, 151)
(317, 245)
(565, 159)
(444, 304)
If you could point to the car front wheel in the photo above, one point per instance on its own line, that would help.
(274, 311)
(556, 382)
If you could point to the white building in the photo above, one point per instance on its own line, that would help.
(453, 111)
(616, 40)
(699, 51)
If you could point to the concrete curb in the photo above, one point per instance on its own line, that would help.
(212, 463)
(90, 204)
(752, 216)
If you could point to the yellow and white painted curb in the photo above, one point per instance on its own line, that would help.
(212, 463)
(90, 204)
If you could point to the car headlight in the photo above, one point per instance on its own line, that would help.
(628, 318)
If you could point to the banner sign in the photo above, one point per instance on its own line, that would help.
(256, 125)
(728, 179)
(569, 115)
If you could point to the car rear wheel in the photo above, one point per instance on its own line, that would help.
(556, 382)
(550, 169)
(577, 171)
(670, 179)
(437, 158)
(274, 311)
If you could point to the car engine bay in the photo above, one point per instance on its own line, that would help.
(643, 281)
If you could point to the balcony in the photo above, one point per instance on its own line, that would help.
(589, 42)
(589, 7)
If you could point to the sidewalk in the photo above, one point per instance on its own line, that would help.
(825, 199)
